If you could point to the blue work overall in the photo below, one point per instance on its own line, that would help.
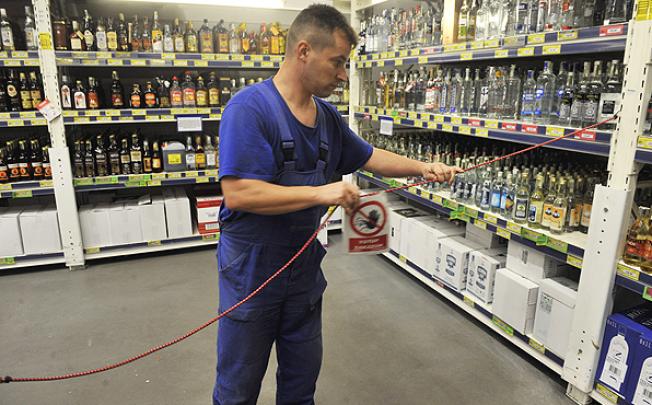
(288, 311)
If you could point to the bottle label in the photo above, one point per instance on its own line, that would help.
(509, 204)
(135, 156)
(36, 97)
(176, 98)
(534, 213)
(223, 40)
(189, 97)
(200, 159)
(89, 38)
(557, 219)
(4, 174)
(47, 170)
(102, 44)
(547, 214)
(211, 160)
(76, 44)
(214, 96)
(156, 163)
(168, 44)
(37, 168)
(30, 38)
(576, 109)
(26, 99)
(609, 105)
(575, 215)
(274, 45)
(147, 165)
(11, 90)
(124, 159)
(164, 102)
(117, 101)
(564, 110)
(135, 100)
(586, 214)
(202, 98)
(191, 44)
(112, 40)
(495, 199)
(634, 247)
(93, 101)
(66, 102)
(150, 99)
(206, 43)
(23, 169)
(14, 171)
(7, 38)
(179, 45)
(590, 110)
(190, 159)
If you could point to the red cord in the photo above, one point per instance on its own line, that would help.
(9, 379)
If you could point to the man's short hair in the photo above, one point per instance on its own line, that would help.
(316, 25)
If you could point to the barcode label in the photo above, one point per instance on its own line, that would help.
(615, 370)
(647, 394)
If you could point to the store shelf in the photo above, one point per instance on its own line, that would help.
(21, 119)
(634, 279)
(18, 58)
(145, 180)
(568, 247)
(608, 38)
(150, 59)
(481, 312)
(595, 142)
(605, 396)
(26, 189)
(140, 115)
(91, 253)
(16, 262)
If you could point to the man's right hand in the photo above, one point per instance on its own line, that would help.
(341, 193)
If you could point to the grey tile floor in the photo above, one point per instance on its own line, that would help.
(387, 340)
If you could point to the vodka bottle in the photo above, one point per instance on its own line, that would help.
(437, 86)
(532, 16)
(471, 185)
(559, 92)
(496, 91)
(429, 92)
(420, 97)
(496, 192)
(455, 93)
(542, 14)
(548, 202)
(594, 90)
(566, 101)
(485, 190)
(495, 16)
(513, 94)
(554, 13)
(482, 21)
(482, 96)
(616, 12)
(506, 17)
(467, 94)
(520, 23)
(507, 197)
(521, 200)
(610, 98)
(535, 205)
(580, 97)
(545, 94)
(471, 21)
(566, 17)
(445, 93)
(463, 22)
(527, 103)
(557, 218)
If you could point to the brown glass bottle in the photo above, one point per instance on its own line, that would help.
(201, 93)
(25, 93)
(117, 92)
(157, 166)
(147, 157)
(36, 160)
(136, 97)
(92, 96)
(35, 89)
(24, 166)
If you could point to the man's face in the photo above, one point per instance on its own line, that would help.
(326, 68)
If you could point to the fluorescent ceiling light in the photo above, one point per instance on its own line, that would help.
(232, 3)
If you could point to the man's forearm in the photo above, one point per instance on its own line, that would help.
(390, 164)
(260, 197)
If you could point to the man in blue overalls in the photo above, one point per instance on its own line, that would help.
(279, 146)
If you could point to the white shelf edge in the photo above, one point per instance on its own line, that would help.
(597, 397)
(148, 249)
(477, 315)
(34, 262)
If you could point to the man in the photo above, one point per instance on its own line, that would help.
(279, 146)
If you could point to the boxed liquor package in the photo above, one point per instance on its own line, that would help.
(515, 300)
(397, 214)
(419, 238)
(177, 213)
(554, 316)
(208, 208)
(532, 264)
(481, 279)
(29, 230)
(452, 263)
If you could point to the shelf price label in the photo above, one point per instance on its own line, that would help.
(491, 124)
(436, 199)
(15, 122)
(106, 180)
(501, 53)
(22, 194)
(468, 301)
(423, 60)
(466, 56)
(447, 128)
(465, 130)
(398, 62)
(566, 35)
(504, 233)
(607, 393)
(247, 64)
(138, 62)
(527, 51)
(551, 49)
(7, 260)
(492, 43)
(537, 346)
(628, 272)
(154, 243)
(502, 325)
(574, 261)
(513, 227)
(477, 44)
(210, 236)
(456, 120)
(480, 224)
(554, 131)
(92, 250)
(482, 132)
(557, 245)
(45, 183)
(536, 38)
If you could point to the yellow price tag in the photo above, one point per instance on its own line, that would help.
(174, 159)
(11, 62)
(398, 62)
(527, 51)
(138, 112)
(381, 63)
(501, 53)
(480, 224)
(167, 118)
(466, 56)
(210, 56)
(210, 236)
(168, 56)
(574, 261)
(45, 183)
(437, 199)
(447, 128)
(201, 63)
(514, 227)
(103, 119)
(192, 173)
(492, 43)
(112, 112)
(267, 64)
(628, 272)
(158, 176)
(439, 118)
(45, 41)
(554, 131)
(491, 124)
(491, 219)
(551, 49)
(403, 53)
(536, 346)
(482, 132)
(256, 57)
(504, 233)
(115, 62)
(153, 118)
(607, 393)
(157, 62)
(412, 115)
(468, 301)
(22, 194)
(138, 62)
(81, 120)
(92, 250)
(15, 122)
(415, 52)
(566, 35)
(432, 125)
(247, 64)
(237, 57)
(536, 38)
(154, 243)
(477, 44)
(180, 62)
(90, 62)
(8, 260)
(456, 120)
(465, 130)
(202, 179)
(423, 60)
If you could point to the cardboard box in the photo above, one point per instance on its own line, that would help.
(481, 279)
(39, 228)
(208, 208)
(177, 215)
(396, 216)
(11, 242)
(515, 300)
(125, 223)
(639, 383)
(452, 263)
(555, 306)
(174, 157)
(484, 238)
(423, 235)
(532, 264)
(152, 219)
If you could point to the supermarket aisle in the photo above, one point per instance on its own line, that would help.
(387, 340)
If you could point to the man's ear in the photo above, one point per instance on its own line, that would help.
(303, 48)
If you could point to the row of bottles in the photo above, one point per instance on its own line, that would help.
(571, 97)
(157, 93)
(527, 189)
(638, 246)
(13, 37)
(110, 154)
(24, 159)
(141, 35)
(20, 92)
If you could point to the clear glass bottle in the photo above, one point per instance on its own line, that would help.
(190, 38)
(587, 206)
(529, 96)
(557, 219)
(535, 205)
(566, 101)
(467, 95)
(507, 197)
(31, 37)
(178, 37)
(542, 14)
(462, 22)
(513, 94)
(455, 93)
(559, 92)
(580, 97)
(100, 35)
(544, 94)
(548, 202)
(554, 16)
(168, 40)
(482, 21)
(485, 189)
(594, 90)
(6, 32)
(157, 35)
(494, 19)
(610, 97)
(520, 22)
(496, 93)
(234, 40)
(496, 193)
(482, 95)
(190, 154)
(616, 12)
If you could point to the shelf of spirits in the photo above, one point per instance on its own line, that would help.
(25, 169)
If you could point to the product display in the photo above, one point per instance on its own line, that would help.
(15, 36)
(24, 159)
(21, 91)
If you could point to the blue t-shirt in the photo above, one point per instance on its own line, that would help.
(250, 145)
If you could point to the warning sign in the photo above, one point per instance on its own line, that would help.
(366, 230)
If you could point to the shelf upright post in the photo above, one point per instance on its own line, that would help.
(610, 218)
(64, 191)
(354, 76)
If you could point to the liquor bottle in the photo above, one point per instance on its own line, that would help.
(168, 39)
(163, 93)
(566, 101)
(529, 96)
(542, 13)
(473, 107)
(135, 36)
(31, 37)
(117, 91)
(6, 32)
(25, 94)
(89, 34)
(125, 159)
(587, 205)
(111, 35)
(4, 170)
(507, 197)
(244, 38)
(610, 97)
(552, 18)
(4, 98)
(264, 40)
(520, 15)
(24, 166)
(216, 143)
(136, 97)
(637, 238)
(616, 12)
(494, 19)
(225, 93)
(190, 38)
(136, 155)
(253, 43)
(190, 155)
(580, 97)
(566, 17)
(189, 91)
(483, 95)
(12, 162)
(544, 94)
(146, 36)
(557, 218)
(77, 39)
(455, 93)
(234, 40)
(12, 92)
(113, 156)
(176, 94)
(157, 35)
(211, 156)
(147, 157)
(200, 155)
(213, 90)
(157, 167)
(512, 105)
(150, 96)
(205, 38)
(462, 23)
(484, 189)
(468, 94)
(496, 192)
(123, 34)
(92, 96)
(36, 160)
(201, 93)
(100, 36)
(47, 167)
(89, 160)
(548, 202)
(101, 157)
(35, 90)
(78, 160)
(482, 21)
(178, 37)
(572, 217)
(535, 205)
(594, 90)
(275, 41)
(221, 38)
(495, 105)
(445, 96)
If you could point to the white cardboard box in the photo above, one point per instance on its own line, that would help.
(452, 263)
(208, 208)
(11, 243)
(125, 224)
(481, 279)
(515, 300)
(552, 324)
(484, 238)
(152, 219)
(396, 216)
(177, 215)
(423, 233)
(39, 228)
(532, 264)
(95, 225)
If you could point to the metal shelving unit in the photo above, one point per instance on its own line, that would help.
(151, 246)
(145, 180)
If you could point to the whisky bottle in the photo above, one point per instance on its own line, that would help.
(36, 160)
(548, 202)
(77, 41)
(189, 90)
(92, 96)
(557, 219)
(200, 155)
(205, 38)
(225, 93)
(610, 97)
(78, 160)
(35, 89)
(574, 208)
(135, 37)
(244, 38)
(201, 93)
(178, 37)
(157, 35)
(13, 94)
(190, 155)
(146, 36)
(4, 170)
(4, 98)
(136, 98)
(47, 167)
(147, 157)
(176, 94)
(209, 150)
(123, 34)
(89, 34)
(220, 38)
(31, 37)
(163, 93)
(111, 35)
(125, 159)
(157, 167)
(117, 92)
(191, 41)
(149, 95)
(264, 40)
(637, 238)
(535, 211)
(136, 155)
(6, 32)
(101, 36)
(213, 90)
(113, 156)
(101, 158)
(89, 160)
(25, 94)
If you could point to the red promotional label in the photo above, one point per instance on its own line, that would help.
(610, 30)
(475, 123)
(586, 135)
(510, 126)
(530, 129)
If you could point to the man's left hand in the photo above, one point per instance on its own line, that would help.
(439, 172)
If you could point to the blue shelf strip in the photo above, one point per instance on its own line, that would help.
(145, 180)
(634, 279)
(480, 309)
